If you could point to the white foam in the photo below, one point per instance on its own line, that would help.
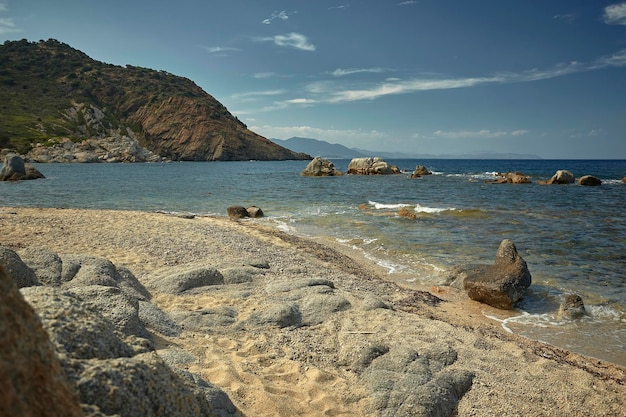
(382, 206)
(422, 209)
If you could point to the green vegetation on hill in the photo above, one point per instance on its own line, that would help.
(49, 90)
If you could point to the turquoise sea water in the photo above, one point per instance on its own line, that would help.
(573, 238)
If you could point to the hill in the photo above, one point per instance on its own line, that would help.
(319, 148)
(332, 150)
(50, 91)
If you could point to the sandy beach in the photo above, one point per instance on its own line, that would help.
(353, 348)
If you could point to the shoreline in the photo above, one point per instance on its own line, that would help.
(261, 370)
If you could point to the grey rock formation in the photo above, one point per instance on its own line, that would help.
(180, 281)
(404, 382)
(561, 177)
(320, 167)
(14, 169)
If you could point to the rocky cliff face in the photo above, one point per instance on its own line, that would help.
(53, 93)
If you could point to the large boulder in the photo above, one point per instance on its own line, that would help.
(562, 176)
(14, 169)
(500, 285)
(320, 167)
(589, 180)
(371, 166)
(32, 381)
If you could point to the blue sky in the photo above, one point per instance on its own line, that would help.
(542, 77)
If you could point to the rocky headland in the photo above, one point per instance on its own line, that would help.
(88, 111)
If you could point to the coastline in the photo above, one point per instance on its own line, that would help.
(310, 370)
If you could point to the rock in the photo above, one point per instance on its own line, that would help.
(46, 265)
(279, 315)
(405, 383)
(254, 212)
(121, 310)
(180, 281)
(500, 285)
(237, 212)
(140, 386)
(420, 170)
(560, 177)
(571, 308)
(17, 269)
(320, 167)
(510, 178)
(371, 166)
(407, 213)
(205, 320)
(589, 180)
(14, 169)
(32, 381)
(76, 329)
(624, 180)
(157, 320)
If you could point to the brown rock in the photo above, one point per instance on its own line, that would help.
(510, 178)
(560, 177)
(500, 285)
(571, 308)
(32, 383)
(237, 212)
(254, 212)
(589, 180)
(420, 170)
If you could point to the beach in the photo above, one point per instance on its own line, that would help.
(352, 350)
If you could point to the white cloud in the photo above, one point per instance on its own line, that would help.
(301, 101)
(294, 40)
(340, 72)
(474, 134)
(407, 3)
(282, 15)
(7, 25)
(615, 14)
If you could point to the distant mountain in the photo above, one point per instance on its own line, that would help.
(51, 93)
(315, 147)
(328, 150)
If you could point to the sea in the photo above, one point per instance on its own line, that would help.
(572, 237)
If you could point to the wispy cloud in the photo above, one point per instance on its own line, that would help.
(474, 134)
(615, 14)
(7, 25)
(254, 94)
(407, 3)
(567, 17)
(292, 40)
(282, 15)
(219, 49)
(424, 84)
(340, 72)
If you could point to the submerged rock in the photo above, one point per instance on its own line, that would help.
(571, 308)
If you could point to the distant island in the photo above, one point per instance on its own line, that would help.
(316, 147)
(60, 105)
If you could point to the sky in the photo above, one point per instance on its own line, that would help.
(541, 77)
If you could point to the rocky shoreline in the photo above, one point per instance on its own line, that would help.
(239, 319)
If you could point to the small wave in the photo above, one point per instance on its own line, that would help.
(422, 209)
(382, 206)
